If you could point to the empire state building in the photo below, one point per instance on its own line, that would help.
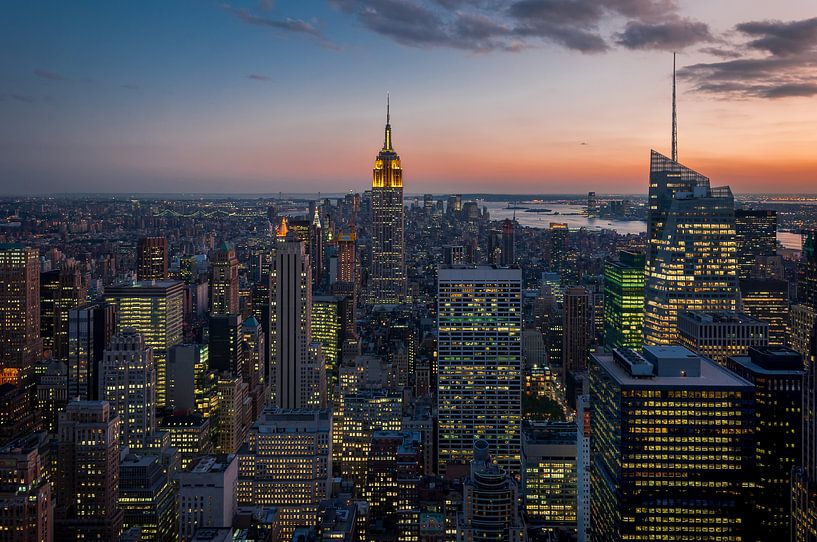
(387, 281)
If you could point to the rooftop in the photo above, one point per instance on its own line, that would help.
(718, 317)
(212, 463)
(144, 285)
(672, 367)
(538, 432)
(479, 272)
(771, 360)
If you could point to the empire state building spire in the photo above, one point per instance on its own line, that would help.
(387, 140)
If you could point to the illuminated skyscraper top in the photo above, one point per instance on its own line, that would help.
(388, 276)
(692, 250)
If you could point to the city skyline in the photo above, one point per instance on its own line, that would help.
(217, 324)
(479, 95)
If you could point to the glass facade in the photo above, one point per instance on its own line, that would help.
(692, 252)
(624, 301)
(756, 235)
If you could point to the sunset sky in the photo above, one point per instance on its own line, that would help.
(525, 96)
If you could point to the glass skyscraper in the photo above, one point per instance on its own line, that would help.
(624, 301)
(777, 374)
(804, 475)
(756, 234)
(692, 252)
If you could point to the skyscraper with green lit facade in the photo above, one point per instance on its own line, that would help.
(624, 301)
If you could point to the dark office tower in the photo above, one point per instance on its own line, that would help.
(90, 328)
(807, 289)
(428, 203)
(17, 417)
(557, 245)
(224, 281)
(387, 278)
(154, 309)
(592, 205)
(490, 508)
(577, 335)
(60, 291)
(88, 477)
(651, 473)
(393, 472)
(300, 227)
(453, 255)
(147, 496)
(624, 301)
(152, 259)
(49, 296)
(51, 392)
(20, 342)
(508, 243)
(804, 475)
(26, 492)
(756, 236)
(253, 346)
(494, 247)
(261, 305)
(480, 363)
(291, 313)
(347, 258)
(224, 343)
(777, 374)
(691, 258)
(768, 300)
(454, 204)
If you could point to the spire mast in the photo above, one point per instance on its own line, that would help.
(674, 115)
(387, 141)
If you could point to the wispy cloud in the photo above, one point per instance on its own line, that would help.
(777, 59)
(48, 75)
(513, 25)
(285, 25)
(669, 35)
(25, 98)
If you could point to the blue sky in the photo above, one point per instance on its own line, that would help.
(530, 95)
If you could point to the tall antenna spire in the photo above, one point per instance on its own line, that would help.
(387, 140)
(674, 116)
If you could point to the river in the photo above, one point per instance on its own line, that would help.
(572, 215)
